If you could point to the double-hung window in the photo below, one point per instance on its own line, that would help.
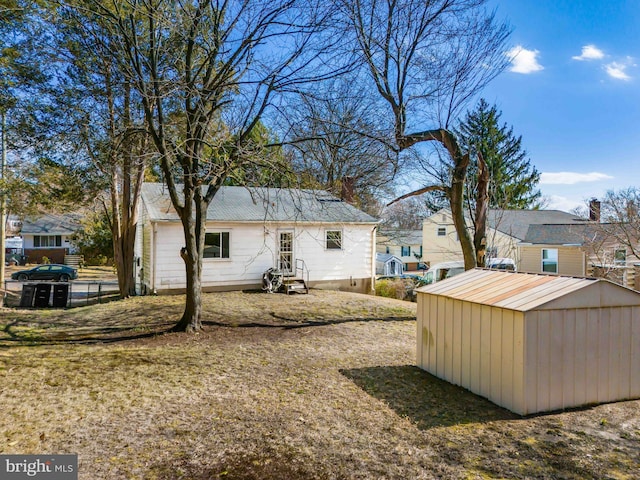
(216, 245)
(405, 251)
(333, 239)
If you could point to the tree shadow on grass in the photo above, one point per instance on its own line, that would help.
(424, 399)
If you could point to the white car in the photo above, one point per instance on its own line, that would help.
(443, 270)
(501, 264)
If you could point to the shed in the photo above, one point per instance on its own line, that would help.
(387, 264)
(532, 342)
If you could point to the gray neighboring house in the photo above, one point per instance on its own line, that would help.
(307, 233)
(49, 235)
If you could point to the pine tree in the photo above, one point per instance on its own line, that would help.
(512, 178)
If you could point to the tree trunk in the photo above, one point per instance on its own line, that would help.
(193, 217)
(482, 202)
(191, 320)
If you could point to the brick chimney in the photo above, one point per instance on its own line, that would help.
(347, 189)
(594, 210)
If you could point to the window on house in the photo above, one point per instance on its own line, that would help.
(44, 241)
(620, 256)
(442, 231)
(492, 252)
(388, 251)
(550, 260)
(405, 251)
(216, 245)
(334, 239)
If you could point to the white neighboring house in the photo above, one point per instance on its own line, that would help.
(49, 235)
(250, 230)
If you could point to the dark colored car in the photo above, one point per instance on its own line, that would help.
(58, 273)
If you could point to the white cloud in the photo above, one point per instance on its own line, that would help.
(618, 71)
(571, 178)
(590, 52)
(558, 202)
(523, 60)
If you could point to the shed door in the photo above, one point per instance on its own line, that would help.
(285, 251)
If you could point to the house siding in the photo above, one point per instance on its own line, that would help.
(253, 249)
(571, 260)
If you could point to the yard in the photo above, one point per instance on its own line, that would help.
(315, 386)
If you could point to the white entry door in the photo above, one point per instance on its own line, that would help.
(285, 251)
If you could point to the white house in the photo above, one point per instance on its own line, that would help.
(250, 230)
(49, 235)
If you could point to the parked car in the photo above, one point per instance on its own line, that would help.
(58, 273)
(501, 264)
(443, 270)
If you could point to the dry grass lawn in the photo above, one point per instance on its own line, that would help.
(318, 386)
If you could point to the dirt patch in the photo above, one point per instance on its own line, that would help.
(298, 387)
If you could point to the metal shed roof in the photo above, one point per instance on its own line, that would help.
(256, 204)
(527, 291)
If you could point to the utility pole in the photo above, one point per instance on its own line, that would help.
(3, 203)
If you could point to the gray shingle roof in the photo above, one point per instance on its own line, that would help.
(516, 223)
(256, 204)
(51, 224)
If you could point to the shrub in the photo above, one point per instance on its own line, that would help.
(399, 289)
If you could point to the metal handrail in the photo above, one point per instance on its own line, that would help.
(302, 266)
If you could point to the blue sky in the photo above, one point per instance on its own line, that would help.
(573, 93)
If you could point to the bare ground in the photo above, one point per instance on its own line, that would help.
(318, 386)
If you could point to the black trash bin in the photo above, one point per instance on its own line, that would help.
(43, 293)
(28, 294)
(60, 295)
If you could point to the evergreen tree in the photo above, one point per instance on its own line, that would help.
(512, 178)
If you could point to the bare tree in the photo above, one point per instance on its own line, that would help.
(427, 60)
(207, 71)
(620, 218)
(335, 134)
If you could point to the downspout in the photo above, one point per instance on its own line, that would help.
(152, 274)
(373, 258)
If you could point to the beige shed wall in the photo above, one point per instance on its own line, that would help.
(577, 357)
(475, 346)
(571, 260)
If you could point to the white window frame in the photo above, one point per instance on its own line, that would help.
(221, 257)
(549, 260)
(622, 261)
(337, 243)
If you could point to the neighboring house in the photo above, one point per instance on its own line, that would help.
(387, 264)
(405, 244)
(506, 229)
(579, 250)
(49, 236)
(250, 230)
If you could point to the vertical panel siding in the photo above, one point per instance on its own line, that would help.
(627, 369)
(475, 349)
(466, 345)
(485, 350)
(530, 363)
(519, 353)
(495, 319)
(508, 359)
(569, 378)
(634, 339)
(556, 353)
